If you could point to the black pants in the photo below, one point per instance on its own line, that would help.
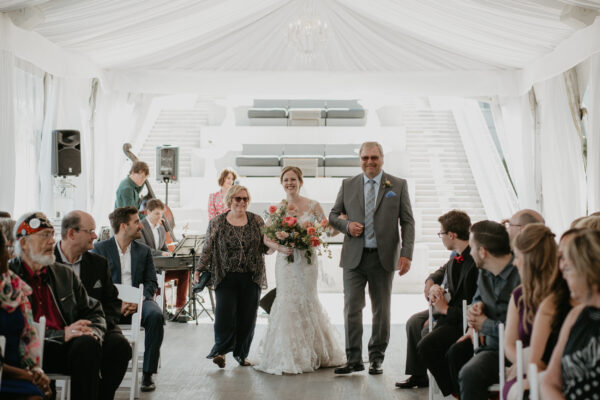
(116, 353)
(237, 299)
(154, 331)
(80, 358)
(472, 374)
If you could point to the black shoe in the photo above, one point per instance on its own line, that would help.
(243, 361)
(375, 368)
(349, 368)
(147, 383)
(413, 382)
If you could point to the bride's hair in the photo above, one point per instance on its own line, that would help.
(296, 170)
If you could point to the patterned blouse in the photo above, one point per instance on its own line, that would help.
(231, 248)
(216, 205)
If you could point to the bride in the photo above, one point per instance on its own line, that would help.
(300, 337)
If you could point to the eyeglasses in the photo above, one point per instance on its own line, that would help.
(88, 231)
(440, 234)
(239, 199)
(46, 234)
(367, 158)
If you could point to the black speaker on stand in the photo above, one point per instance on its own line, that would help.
(66, 153)
(167, 166)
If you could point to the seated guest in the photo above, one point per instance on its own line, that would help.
(446, 288)
(128, 192)
(216, 203)
(472, 373)
(131, 264)
(535, 259)
(7, 226)
(573, 369)
(519, 220)
(78, 232)
(75, 323)
(22, 376)
(591, 222)
(154, 236)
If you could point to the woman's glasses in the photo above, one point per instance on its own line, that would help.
(239, 199)
(367, 158)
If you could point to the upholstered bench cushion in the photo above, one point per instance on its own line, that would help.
(342, 161)
(267, 113)
(257, 161)
(345, 113)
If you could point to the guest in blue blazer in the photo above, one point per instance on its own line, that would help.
(131, 264)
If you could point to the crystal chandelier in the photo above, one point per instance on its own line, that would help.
(308, 33)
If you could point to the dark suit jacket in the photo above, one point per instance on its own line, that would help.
(142, 266)
(95, 277)
(463, 289)
(148, 238)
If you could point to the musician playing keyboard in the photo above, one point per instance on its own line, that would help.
(154, 236)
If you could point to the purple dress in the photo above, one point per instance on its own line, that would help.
(525, 329)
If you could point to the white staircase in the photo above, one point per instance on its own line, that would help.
(442, 176)
(177, 128)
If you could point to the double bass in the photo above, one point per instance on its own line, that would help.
(168, 220)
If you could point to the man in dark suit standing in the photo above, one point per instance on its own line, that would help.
(154, 236)
(445, 289)
(78, 232)
(131, 264)
(375, 203)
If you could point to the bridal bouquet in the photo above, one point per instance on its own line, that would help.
(283, 228)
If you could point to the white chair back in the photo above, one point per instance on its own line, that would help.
(534, 382)
(520, 374)
(464, 313)
(160, 297)
(40, 329)
(62, 381)
(501, 364)
(2, 344)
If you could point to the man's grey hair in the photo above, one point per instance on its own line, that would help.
(366, 145)
(17, 249)
(70, 221)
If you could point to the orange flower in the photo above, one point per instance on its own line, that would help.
(311, 231)
(314, 241)
(272, 209)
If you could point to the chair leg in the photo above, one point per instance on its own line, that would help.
(133, 393)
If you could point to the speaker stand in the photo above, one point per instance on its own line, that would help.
(166, 181)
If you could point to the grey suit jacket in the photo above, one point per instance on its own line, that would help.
(148, 238)
(392, 207)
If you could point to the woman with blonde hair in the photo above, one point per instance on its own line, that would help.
(535, 258)
(234, 254)
(216, 203)
(574, 369)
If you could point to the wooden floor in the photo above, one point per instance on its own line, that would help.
(187, 374)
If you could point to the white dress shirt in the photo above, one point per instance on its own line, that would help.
(155, 234)
(125, 258)
(76, 265)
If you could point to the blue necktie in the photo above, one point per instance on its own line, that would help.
(369, 210)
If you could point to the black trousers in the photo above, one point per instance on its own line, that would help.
(472, 374)
(81, 359)
(116, 353)
(237, 298)
(154, 331)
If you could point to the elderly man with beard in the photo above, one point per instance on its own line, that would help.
(78, 232)
(75, 323)
(131, 264)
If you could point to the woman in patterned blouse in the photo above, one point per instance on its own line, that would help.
(234, 254)
(574, 369)
(216, 204)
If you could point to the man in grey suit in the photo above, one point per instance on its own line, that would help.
(368, 209)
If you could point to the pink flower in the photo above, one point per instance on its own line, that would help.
(272, 209)
(324, 222)
(311, 231)
(282, 235)
(314, 241)
(289, 221)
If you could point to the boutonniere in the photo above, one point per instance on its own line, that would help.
(387, 184)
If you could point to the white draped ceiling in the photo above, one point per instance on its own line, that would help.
(240, 35)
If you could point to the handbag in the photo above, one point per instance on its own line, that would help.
(202, 282)
(267, 300)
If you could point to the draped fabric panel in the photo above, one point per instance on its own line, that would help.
(562, 168)
(7, 136)
(593, 136)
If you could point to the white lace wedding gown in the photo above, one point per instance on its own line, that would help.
(300, 337)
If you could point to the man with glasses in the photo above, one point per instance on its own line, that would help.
(75, 323)
(375, 203)
(131, 264)
(445, 290)
(521, 218)
(78, 232)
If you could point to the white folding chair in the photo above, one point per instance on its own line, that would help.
(2, 344)
(62, 381)
(534, 382)
(432, 384)
(132, 294)
(160, 297)
(520, 368)
(464, 312)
